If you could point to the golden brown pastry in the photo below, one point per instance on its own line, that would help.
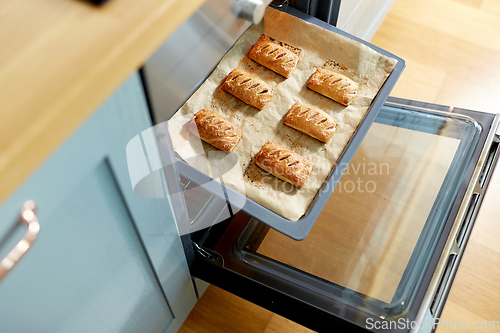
(284, 163)
(249, 88)
(336, 86)
(277, 58)
(311, 121)
(215, 130)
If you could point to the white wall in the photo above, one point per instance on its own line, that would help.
(362, 18)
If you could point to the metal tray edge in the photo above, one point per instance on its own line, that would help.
(299, 229)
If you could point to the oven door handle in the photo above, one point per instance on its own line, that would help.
(251, 10)
(28, 217)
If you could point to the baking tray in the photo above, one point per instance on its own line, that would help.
(299, 229)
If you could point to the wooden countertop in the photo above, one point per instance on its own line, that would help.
(59, 60)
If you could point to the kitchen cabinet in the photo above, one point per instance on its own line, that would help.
(105, 260)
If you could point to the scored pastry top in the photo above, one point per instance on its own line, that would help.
(311, 121)
(336, 86)
(215, 130)
(248, 88)
(269, 53)
(284, 163)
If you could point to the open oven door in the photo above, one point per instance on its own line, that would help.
(387, 244)
(383, 251)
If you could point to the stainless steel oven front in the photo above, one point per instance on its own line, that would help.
(386, 245)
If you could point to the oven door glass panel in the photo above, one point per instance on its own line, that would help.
(373, 242)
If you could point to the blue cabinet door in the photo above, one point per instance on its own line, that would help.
(105, 259)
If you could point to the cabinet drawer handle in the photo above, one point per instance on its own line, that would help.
(27, 216)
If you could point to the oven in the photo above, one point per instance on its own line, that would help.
(383, 249)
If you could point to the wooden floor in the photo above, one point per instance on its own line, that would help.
(452, 51)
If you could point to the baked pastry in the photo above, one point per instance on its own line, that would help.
(336, 86)
(215, 130)
(284, 163)
(249, 88)
(311, 121)
(269, 53)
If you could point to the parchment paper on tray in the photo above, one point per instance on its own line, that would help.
(320, 49)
